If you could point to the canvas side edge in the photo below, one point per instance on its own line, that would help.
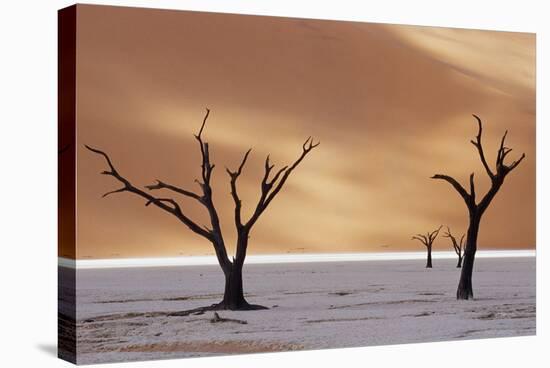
(66, 181)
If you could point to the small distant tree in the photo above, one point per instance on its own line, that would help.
(457, 245)
(477, 209)
(428, 241)
(271, 185)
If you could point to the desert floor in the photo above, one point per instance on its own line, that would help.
(124, 313)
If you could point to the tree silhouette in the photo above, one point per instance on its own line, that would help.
(233, 298)
(457, 245)
(477, 209)
(428, 241)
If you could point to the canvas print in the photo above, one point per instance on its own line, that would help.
(235, 184)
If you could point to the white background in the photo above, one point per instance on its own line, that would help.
(28, 154)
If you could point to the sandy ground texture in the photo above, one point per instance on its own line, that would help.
(127, 313)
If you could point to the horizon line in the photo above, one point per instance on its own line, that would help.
(280, 258)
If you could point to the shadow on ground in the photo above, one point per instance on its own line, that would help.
(50, 349)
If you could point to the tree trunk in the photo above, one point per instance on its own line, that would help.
(429, 261)
(465, 290)
(459, 264)
(233, 296)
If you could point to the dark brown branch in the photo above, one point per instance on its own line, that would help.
(497, 178)
(456, 245)
(421, 238)
(205, 154)
(114, 191)
(434, 234)
(169, 200)
(217, 319)
(459, 188)
(472, 189)
(128, 187)
(503, 151)
(478, 145)
(234, 175)
(513, 165)
(270, 188)
(203, 122)
(113, 170)
(268, 169)
(162, 185)
(206, 174)
(277, 174)
(427, 239)
(306, 148)
(500, 152)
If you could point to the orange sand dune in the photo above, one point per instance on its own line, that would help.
(391, 105)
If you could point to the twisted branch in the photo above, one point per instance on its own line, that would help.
(233, 177)
(456, 245)
(497, 177)
(173, 209)
(162, 185)
(427, 239)
(270, 188)
(479, 146)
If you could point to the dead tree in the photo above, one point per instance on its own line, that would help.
(457, 246)
(428, 241)
(477, 209)
(233, 298)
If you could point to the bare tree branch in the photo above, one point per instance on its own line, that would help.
(128, 187)
(270, 188)
(433, 234)
(206, 174)
(513, 165)
(478, 145)
(206, 167)
(234, 175)
(472, 189)
(456, 245)
(114, 191)
(497, 178)
(429, 238)
(476, 210)
(503, 151)
(233, 295)
(162, 185)
(169, 200)
(421, 238)
(306, 148)
(459, 188)
(500, 151)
